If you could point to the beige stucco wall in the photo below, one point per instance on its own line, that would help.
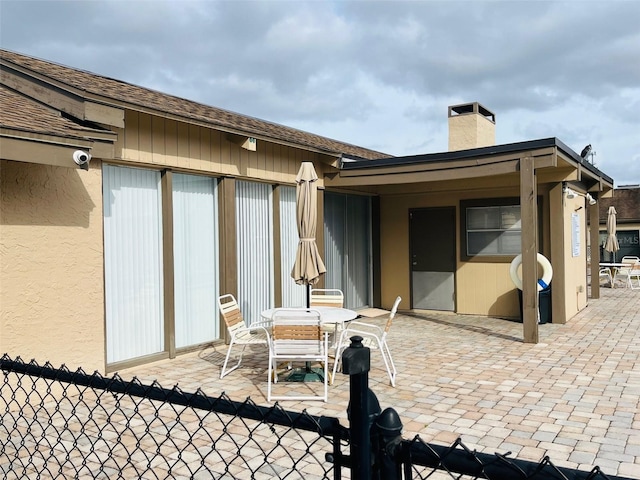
(51, 264)
(575, 267)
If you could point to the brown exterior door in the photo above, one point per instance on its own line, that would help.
(433, 261)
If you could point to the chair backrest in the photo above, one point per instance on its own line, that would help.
(296, 331)
(326, 297)
(629, 262)
(230, 311)
(392, 315)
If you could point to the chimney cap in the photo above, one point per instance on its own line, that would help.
(474, 107)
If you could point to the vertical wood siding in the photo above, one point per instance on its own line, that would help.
(164, 142)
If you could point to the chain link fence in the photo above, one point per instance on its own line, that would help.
(59, 424)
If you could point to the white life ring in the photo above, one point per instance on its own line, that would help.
(547, 272)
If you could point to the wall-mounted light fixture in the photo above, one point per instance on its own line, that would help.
(249, 144)
(571, 194)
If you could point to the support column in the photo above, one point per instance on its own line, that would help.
(529, 221)
(227, 239)
(557, 222)
(594, 240)
(168, 264)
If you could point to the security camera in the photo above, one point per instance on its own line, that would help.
(82, 159)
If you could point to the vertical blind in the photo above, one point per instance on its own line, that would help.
(347, 240)
(254, 223)
(293, 295)
(133, 262)
(358, 249)
(335, 209)
(196, 266)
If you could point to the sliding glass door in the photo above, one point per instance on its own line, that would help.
(133, 262)
(195, 257)
(347, 240)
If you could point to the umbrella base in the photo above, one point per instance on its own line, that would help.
(306, 374)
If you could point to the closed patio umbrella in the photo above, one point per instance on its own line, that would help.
(308, 265)
(611, 244)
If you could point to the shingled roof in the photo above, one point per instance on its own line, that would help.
(27, 115)
(118, 93)
(627, 204)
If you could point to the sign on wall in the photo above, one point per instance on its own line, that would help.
(575, 235)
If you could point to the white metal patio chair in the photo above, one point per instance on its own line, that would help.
(373, 337)
(297, 336)
(605, 274)
(634, 274)
(624, 273)
(240, 332)
(328, 297)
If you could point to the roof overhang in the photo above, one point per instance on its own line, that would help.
(553, 162)
(21, 146)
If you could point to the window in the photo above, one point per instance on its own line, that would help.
(493, 230)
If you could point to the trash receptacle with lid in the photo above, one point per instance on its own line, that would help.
(544, 304)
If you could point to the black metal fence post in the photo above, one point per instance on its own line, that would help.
(363, 407)
(387, 446)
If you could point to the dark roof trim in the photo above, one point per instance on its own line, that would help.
(353, 163)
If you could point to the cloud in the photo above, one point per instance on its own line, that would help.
(375, 73)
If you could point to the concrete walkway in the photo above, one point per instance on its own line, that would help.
(575, 396)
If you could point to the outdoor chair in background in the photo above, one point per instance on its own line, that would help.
(605, 274)
(296, 335)
(328, 297)
(634, 274)
(373, 337)
(624, 273)
(241, 333)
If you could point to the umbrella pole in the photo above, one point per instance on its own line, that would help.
(308, 364)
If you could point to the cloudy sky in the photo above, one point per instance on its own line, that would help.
(378, 74)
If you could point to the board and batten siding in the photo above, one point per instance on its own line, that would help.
(162, 142)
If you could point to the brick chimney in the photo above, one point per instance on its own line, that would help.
(471, 126)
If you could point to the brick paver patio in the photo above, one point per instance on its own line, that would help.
(575, 396)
